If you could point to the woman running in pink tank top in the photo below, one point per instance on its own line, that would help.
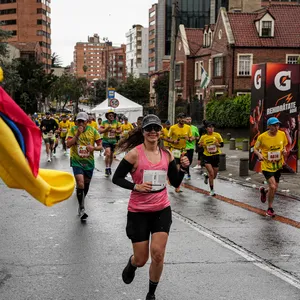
(149, 211)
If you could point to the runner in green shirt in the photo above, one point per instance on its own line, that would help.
(191, 144)
(82, 139)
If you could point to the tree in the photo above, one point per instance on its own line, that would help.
(4, 35)
(161, 86)
(55, 60)
(85, 68)
(135, 89)
(68, 87)
(35, 86)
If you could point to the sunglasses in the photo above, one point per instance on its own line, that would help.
(149, 128)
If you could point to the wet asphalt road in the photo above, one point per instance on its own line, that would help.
(216, 250)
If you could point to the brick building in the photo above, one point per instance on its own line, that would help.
(92, 59)
(29, 51)
(271, 34)
(228, 49)
(29, 22)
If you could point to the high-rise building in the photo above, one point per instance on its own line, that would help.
(137, 51)
(29, 21)
(93, 59)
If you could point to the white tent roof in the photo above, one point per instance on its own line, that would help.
(125, 105)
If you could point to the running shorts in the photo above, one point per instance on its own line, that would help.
(47, 139)
(109, 145)
(276, 175)
(213, 160)
(81, 171)
(141, 224)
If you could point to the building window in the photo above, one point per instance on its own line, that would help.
(14, 32)
(152, 14)
(8, 22)
(178, 72)
(218, 66)
(152, 23)
(7, 1)
(196, 71)
(8, 11)
(243, 93)
(266, 30)
(292, 59)
(244, 64)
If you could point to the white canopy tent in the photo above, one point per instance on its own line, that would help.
(126, 107)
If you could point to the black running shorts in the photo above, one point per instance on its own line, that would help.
(141, 224)
(213, 160)
(276, 174)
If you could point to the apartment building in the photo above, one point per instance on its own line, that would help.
(137, 41)
(117, 63)
(29, 22)
(94, 58)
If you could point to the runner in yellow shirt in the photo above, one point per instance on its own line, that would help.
(165, 133)
(178, 135)
(64, 127)
(211, 142)
(270, 149)
(126, 128)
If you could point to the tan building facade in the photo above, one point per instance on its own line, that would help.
(30, 22)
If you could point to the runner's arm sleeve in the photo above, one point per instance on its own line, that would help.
(174, 175)
(119, 177)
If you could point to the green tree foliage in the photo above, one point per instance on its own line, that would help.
(229, 113)
(161, 86)
(135, 89)
(68, 87)
(4, 35)
(35, 85)
(55, 60)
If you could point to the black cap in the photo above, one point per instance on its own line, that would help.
(151, 120)
(181, 115)
(48, 113)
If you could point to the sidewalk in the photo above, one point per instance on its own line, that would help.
(289, 183)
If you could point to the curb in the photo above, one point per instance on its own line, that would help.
(241, 182)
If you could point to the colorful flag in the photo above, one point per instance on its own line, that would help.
(30, 132)
(205, 80)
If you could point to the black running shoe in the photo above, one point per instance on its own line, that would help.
(109, 170)
(205, 178)
(150, 297)
(129, 272)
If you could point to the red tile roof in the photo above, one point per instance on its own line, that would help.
(25, 47)
(195, 39)
(286, 33)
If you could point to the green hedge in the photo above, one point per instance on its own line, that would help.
(229, 113)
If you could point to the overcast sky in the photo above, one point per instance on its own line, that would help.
(74, 20)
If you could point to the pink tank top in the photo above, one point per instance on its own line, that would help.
(148, 202)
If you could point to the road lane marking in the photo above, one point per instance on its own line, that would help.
(246, 254)
(248, 207)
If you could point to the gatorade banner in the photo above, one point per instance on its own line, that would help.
(280, 87)
(257, 108)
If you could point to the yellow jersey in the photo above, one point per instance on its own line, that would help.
(164, 135)
(126, 128)
(209, 143)
(64, 128)
(94, 125)
(271, 148)
(180, 134)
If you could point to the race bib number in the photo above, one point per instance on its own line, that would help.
(50, 135)
(125, 132)
(176, 153)
(274, 155)
(82, 151)
(212, 148)
(64, 130)
(158, 178)
(111, 135)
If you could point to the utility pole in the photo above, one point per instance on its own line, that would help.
(171, 100)
(108, 71)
